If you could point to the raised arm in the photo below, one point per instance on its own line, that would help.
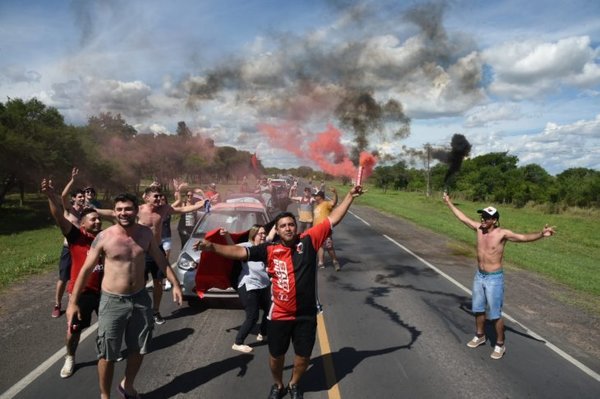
(55, 208)
(188, 208)
(517, 237)
(234, 252)
(66, 193)
(334, 201)
(472, 224)
(338, 213)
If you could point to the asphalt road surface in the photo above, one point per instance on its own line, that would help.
(392, 327)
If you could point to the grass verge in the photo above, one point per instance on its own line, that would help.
(570, 257)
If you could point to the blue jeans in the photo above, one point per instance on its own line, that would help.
(488, 294)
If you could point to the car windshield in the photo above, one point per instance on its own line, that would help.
(233, 220)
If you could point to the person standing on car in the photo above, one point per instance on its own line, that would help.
(125, 309)
(291, 265)
(79, 239)
(488, 283)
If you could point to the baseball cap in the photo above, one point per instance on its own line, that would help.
(490, 211)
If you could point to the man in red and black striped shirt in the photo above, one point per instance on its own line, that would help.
(292, 268)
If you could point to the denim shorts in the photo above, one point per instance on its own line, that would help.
(488, 293)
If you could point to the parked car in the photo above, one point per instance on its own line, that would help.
(234, 217)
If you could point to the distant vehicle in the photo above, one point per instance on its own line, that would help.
(233, 216)
(245, 197)
(276, 183)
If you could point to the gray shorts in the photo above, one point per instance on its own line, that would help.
(128, 316)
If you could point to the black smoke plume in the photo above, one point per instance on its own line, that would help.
(361, 113)
(459, 149)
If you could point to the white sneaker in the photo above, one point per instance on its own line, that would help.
(498, 352)
(260, 337)
(167, 285)
(242, 348)
(69, 366)
(476, 341)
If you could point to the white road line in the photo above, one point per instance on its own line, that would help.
(550, 345)
(359, 218)
(42, 368)
(39, 370)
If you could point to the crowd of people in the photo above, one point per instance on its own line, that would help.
(106, 271)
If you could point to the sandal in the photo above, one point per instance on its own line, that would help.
(125, 395)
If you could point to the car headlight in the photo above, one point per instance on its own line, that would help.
(186, 262)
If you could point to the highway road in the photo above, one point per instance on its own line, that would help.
(392, 327)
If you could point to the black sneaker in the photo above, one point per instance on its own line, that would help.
(294, 392)
(158, 319)
(276, 392)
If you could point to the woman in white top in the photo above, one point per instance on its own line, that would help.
(254, 289)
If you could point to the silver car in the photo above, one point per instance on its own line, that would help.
(234, 217)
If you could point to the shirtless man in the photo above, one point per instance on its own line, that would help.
(125, 306)
(488, 284)
(151, 214)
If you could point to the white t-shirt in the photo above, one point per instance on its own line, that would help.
(253, 274)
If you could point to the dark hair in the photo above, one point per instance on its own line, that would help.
(77, 192)
(87, 210)
(126, 197)
(284, 215)
(152, 189)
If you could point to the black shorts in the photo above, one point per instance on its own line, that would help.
(88, 303)
(152, 267)
(64, 265)
(302, 333)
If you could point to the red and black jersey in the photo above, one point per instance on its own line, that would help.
(293, 273)
(79, 244)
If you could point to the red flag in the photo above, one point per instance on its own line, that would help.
(215, 271)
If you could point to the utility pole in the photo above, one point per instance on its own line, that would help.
(428, 168)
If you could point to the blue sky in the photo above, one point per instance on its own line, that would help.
(522, 77)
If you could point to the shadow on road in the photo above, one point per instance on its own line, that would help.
(344, 361)
(189, 381)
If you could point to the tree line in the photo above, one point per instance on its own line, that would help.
(36, 142)
(496, 177)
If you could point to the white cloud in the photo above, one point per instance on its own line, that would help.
(555, 148)
(17, 73)
(529, 68)
(493, 113)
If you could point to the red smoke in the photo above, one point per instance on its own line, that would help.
(325, 150)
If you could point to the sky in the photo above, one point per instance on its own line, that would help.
(511, 76)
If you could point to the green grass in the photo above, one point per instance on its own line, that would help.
(30, 243)
(570, 257)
